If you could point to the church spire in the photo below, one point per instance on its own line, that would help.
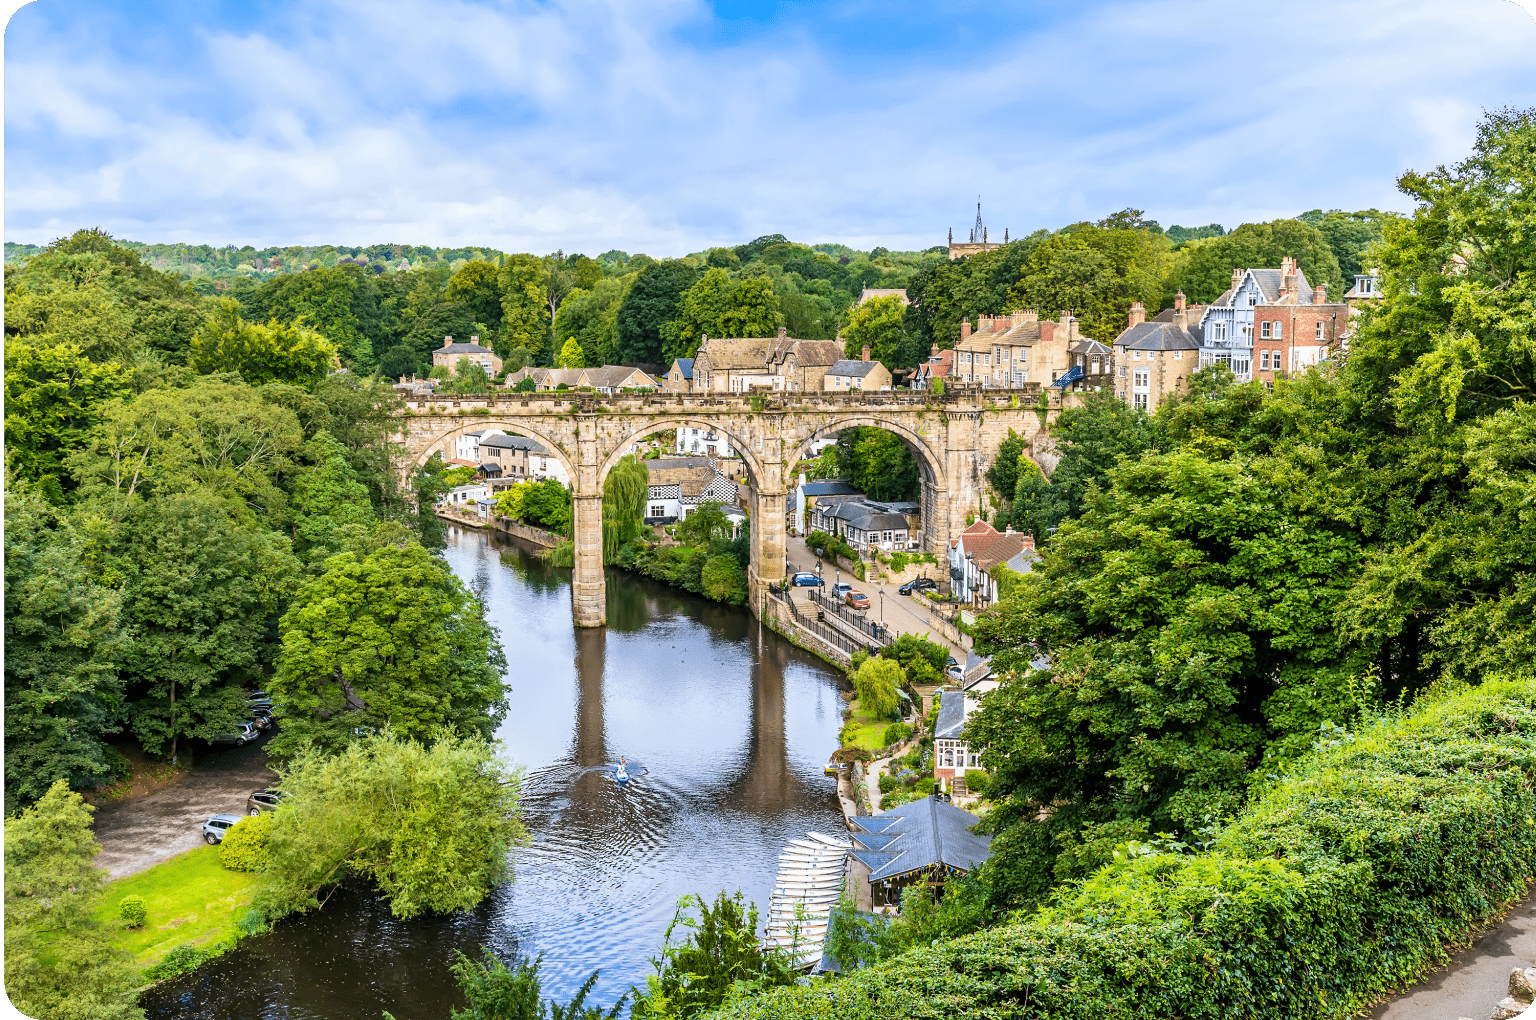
(980, 233)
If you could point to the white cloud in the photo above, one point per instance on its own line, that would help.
(590, 125)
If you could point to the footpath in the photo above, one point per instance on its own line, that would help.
(1474, 980)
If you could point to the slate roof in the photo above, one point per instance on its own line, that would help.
(951, 715)
(1086, 346)
(1159, 336)
(856, 369)
(830, 487)
(514, 443)
(868, 517)
(869, 293)
(1269, 282)
(735, 355)
(685, 366)
(463, 348)
(920, 834)
(612, 376)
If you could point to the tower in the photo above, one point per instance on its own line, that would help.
(979, 233)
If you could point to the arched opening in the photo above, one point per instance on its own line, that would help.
(446, 443)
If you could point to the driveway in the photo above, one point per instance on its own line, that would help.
(139, 833)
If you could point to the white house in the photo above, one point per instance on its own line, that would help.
(466, 495)
(978, 550)
(704, 443)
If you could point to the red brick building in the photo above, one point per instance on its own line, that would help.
(1297, 328)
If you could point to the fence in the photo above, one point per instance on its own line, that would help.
(830, 635)
(878, 633)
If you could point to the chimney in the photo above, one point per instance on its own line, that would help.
(447, 340)
(1287, 265)
(1237, 278)
(1138, 313)
(782, 333)
(965, 329)
(866, 353)
(1029, 542)
(1047, 331)
(1319, 295)
(1001, 324)
(1178, 301)
(934, 352)
(474, 339)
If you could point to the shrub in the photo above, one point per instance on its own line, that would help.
(977, 781)
(245, 844)
(131, 910)
(924, 787)
(888, 783)
(895, 733)
(1346, 877)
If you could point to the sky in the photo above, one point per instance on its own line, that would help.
(668, 126)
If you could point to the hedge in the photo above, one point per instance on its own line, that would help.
(1346, 879)
(244, 847)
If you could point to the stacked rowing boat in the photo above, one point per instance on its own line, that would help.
(808, 886)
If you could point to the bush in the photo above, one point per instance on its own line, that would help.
(245, 844)
(924, 787)
(895, 733)
(888, 783)
(131, 910)
(1346, 877)
(977, 781)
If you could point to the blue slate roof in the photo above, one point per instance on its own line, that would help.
(951, 715)
(929, 832)
(830, 487)
(685, 365)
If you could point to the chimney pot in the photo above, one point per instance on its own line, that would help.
(866, 352)
(965, 329)
(1237, 277)
(1319, 295)
(934, 352)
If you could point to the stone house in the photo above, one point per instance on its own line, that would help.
(1153, 360)
(680, 484)
(735, 366)
(519, 459)
(1007, 351)
(803, 501)
(704, 442)
(606, 379)
(938, 366)
(450, 354)
(801, 365)
(679, 378)
(952, 756)
(846, 374)
(867, 525)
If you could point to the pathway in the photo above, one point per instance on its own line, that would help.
(1475, 979)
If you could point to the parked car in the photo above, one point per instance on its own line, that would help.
(954, 672)
(918, 584)
(244, 734)
(806, 579)
(215, 827)
(952, 661)
(262, 718)
(857, 599)
(263, 800)
(841, 589)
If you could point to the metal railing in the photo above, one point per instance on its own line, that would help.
(831, 635)
(878, 633)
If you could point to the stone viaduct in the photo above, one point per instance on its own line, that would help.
(953, 437)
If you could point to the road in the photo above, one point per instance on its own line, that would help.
(895, 610)
(139, 833)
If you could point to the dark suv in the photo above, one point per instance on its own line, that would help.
(916, 585)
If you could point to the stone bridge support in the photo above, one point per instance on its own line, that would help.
(953, 438)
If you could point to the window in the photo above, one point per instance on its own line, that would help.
(1219, 332)
(1252, 300)
(1178, 355)
(1279, 330)
(658, 510)
(1139, 401)
(1143, 378)
(1264, 329)
(1264, 360)
(1137, 355)
(1319, 329)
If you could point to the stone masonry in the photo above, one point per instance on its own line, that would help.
(953, 437)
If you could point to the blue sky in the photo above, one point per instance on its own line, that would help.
(666, 126)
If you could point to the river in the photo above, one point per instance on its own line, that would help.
(731, 725)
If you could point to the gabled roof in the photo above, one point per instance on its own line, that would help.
(990, 550)
(685, 366)
(808, 353)
(856, 369)
(920, 835)
(735, 355)
(1269, 283)
(870, 293)
(1159, 336)
(610, 376)
(513, 443)
(1086, 346)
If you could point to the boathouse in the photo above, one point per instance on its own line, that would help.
(924, 842)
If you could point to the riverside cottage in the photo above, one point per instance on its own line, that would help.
(921, 843)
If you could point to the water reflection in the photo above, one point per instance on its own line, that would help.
(732, 724)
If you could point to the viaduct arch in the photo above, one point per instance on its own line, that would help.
(953, 437)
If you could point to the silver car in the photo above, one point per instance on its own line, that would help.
(215, 827)
(244, 734)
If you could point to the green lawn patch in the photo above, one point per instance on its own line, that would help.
(189, 900)
(863, 731)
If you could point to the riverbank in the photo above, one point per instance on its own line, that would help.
(194, 909)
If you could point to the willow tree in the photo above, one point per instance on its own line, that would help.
(624, 495)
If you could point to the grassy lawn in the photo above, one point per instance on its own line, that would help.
(862, 731)
(190, 898)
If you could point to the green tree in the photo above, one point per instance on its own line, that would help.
(723, 579)
(328, 500)
(201, 589)
(880, 325)
(877, 463)
(495, 991)
(275, 352)
(877, 680)
(651, 303)
(624, 495)
(325, 300)
(430, 826)
(429, 329)
(721, 955)
(62, 635)
(1003, 475)
(59, 962)
(525, 316)
(591, 316)
(1349, 235)
(1206, 271)
(571, 355)
(470, 377)
(53, 399)
(1093, 438)
(393, 640)
(477, 287)
(705, 524)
